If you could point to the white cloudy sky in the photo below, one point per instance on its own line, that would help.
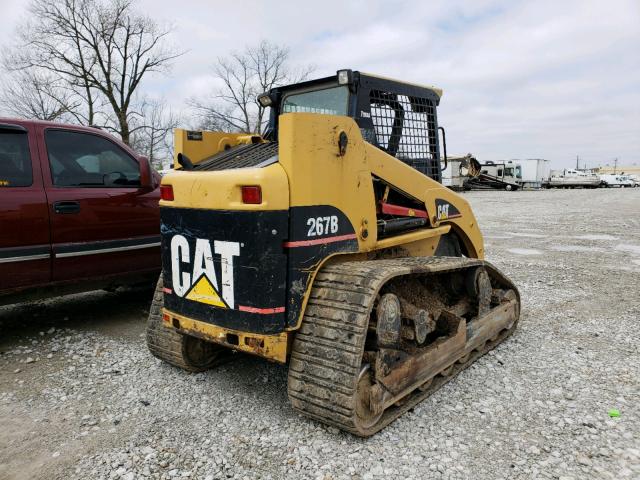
(522, 79)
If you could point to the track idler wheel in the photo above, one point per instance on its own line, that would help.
(368, 400)
(389, 321)
(478, 286)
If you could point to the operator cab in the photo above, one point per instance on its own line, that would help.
(397, 117)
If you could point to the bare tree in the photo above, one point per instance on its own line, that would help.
(34, 94)
(54, 27)
(102, 49)
(243, 76)
(152, 132)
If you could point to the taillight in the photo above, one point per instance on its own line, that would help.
(252, 194)
(166, 192)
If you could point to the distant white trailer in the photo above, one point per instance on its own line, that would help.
(530, 173)
(534, 172)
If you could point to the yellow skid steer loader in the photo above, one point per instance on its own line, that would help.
(330, 244)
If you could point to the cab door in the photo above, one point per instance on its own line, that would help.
(103, 223)
(25, 251)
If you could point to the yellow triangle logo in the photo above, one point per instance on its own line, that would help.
(204, 292)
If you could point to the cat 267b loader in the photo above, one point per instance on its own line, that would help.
(328, 243)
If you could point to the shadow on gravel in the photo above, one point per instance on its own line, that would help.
(109, 313)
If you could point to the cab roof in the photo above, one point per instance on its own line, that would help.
(356, 77)
(436, 90)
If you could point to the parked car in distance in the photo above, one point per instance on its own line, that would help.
(78, 211)
(619, 180)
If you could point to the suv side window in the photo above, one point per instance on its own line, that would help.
(85, 160)
(15, 160)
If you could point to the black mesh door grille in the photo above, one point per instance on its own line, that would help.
(405, 127)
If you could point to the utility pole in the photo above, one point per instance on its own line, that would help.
(615, 165)
(577, 162)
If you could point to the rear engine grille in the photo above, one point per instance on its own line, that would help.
(243, 156)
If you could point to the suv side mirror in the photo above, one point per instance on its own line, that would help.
(146, 175)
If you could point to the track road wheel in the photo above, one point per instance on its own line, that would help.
(464, 359)
(425, 386)
(447, 371)
(186, 352)
(365, 416)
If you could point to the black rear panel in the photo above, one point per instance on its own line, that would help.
(242, 156)
(315, 233)
(227, 268)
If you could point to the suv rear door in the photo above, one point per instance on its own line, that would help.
(102, 223)
(25, 250)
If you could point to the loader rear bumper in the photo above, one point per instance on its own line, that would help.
(272, 347)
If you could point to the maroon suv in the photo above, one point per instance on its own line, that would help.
(78, 211)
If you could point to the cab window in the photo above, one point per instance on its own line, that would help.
(85, 160)
(330, 101)
(15, 160)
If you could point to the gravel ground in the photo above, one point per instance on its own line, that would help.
(80, 397)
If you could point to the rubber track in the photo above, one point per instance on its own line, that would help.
(165, 343)
(327, 354)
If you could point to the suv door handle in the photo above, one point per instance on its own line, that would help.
(66, 207)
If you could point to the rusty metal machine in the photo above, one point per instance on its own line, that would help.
(330, 244)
